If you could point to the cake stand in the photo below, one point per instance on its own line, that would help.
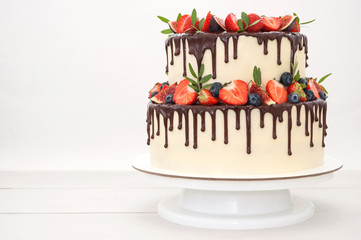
(236, 202)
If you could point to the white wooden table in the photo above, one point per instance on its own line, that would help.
(122, 205)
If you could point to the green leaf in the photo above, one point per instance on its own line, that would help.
(206, 86)
(257, 76)
(163, 19)
(205, 78)
(297, 76)
(303, 85)
(240, 25)
(192, 81)
(201, 23)
(308, 22)
(166, 31)
(192, 71)
(324, 77)
(201, 71)
(194, 88)
(194, 17)
(324, 89)
(179, 16)
(294, 68)
(245, 18)
(254, 23)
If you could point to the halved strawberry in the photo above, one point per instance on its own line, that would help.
(296, 28)
(253, 88)
(184, 95)
(231, 23)
(312, 84)
(271, 23)
(258, 26)
(206, 22)
(205, 97)
(185, 24)
(154, 89)
(276, 91)
(166, 90)
(296, 88)
(234, 93)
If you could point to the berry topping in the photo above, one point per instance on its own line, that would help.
(256, 27)
(215, 87)
(153, 94)
(156, 88)
(184, 94)
(312, 84)
(296, 88)
(231, 23)
(205, 27)
(234, 93)
(205, 98)
(322, 95)
(185, 24)
(276, 91)
(255, 87)
(286, 79)
(254, 99)
(287, 23)
(166, 90)
(165, 83)
(293, 98)
(303, 82)
(296, 27)
(271, 23)
(216, 25)
(169, 98)
(173, 26)
(310, 96)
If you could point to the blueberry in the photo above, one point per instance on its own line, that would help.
(322, 95)
(309, 95)
(153, 94)
(169, 99)
(304, 82)
(286, 79)
(215, 87)
(254, 99)
(165, 83)
(293, 98)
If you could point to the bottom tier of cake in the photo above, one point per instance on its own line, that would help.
(228, 140)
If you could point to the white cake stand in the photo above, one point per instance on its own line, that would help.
(236, 202)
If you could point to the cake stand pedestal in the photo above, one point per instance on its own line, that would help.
(236, 202)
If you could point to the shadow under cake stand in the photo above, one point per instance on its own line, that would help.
(236, 202)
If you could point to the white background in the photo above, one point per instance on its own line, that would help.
(74, 76)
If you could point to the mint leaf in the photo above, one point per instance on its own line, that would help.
(240, 25)
(245, 18)
(201, 23)
(323, 78)
(206, 86)
(257, 76)
(192, 81)
(192, 71)
(163, 19)
(194, 87)
(201, 71)
(254, 23)
(166, 31)
(179, 16)
(194, 17)
(308, 22)
(324, 89)
(205, 78)
(303, 85)
(297, 76)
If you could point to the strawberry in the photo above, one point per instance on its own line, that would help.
(276, 91)
(296, 28)
(205, 97)
(254, 88)
(166, 90)
(206, 22)
(234, 93)
(185, 24)
(156, 88)
(252, 18)
(312, 84)
(296, 88)
(231, 23)
(271, 23)
(184, 95)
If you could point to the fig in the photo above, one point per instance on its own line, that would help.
(287, 23)
(216, 25)
(160, 97)
(173, 26)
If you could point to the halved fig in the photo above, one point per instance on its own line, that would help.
(160, 97)
(216, 25)
(287, 23)
(173, 26)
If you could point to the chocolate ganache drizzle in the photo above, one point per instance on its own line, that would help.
(315, 111)
(199, 43)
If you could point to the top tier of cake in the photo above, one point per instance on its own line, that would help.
(230, 56)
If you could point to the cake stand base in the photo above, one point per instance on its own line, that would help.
(236, 202)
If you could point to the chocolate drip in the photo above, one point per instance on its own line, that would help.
(158, 126)
(167, 111)
(166, 50)
(171, 51)
(199, 43)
